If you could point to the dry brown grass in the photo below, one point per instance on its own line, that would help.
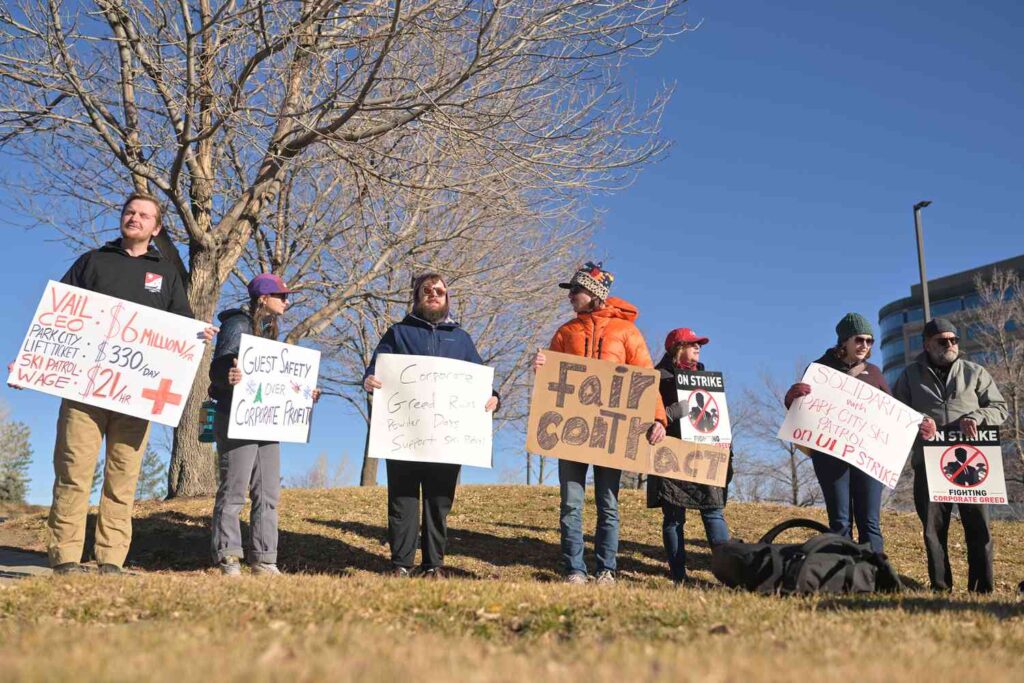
(505, 618)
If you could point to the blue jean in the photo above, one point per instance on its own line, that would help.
(843, 484)
(572, 479)
(672, 523)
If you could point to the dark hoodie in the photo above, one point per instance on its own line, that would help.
(234, 322)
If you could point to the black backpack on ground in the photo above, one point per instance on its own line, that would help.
(826, 563)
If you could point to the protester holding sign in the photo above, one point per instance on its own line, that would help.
(129, 268)
(956, 395)
(674, 497)
(841, 483)
(604, 328)
(245, 464)
(427, 331)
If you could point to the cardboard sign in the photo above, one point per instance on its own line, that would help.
(274, 401)
(853, 421)
(110, 353)
(598, 412)
(962, 470)
(707, 418)
(431, 409)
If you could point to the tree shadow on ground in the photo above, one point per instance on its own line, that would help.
(1001, 609)
(178, 542)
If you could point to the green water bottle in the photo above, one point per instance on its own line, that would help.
(209, 409)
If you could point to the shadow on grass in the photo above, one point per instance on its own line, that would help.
(178, 542)
(1001, 609)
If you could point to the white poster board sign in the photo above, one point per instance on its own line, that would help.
(962, 470)
(274, 400)
(431, 409)
(110, 353)
(853, 421)
(707, 418)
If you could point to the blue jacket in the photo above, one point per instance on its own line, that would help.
(416, 337)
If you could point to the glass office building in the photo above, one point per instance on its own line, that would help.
(902, 322)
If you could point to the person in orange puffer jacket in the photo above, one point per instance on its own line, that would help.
(604, 328)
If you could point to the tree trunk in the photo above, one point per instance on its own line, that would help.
(368, 474)
(192, 470)
(529, 462)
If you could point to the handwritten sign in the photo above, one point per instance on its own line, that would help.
(110, 353)
(853, 421)
(701, 463)
(962, 470)
(274, 401)
(707, 416)
(431, 409)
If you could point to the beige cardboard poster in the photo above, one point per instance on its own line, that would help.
(598, 412)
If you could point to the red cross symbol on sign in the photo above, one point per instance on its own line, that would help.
(161, 396)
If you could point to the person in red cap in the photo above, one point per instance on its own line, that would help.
(246, 465)
(605, 328)
(674, 497)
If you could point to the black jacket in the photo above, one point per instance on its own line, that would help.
(673, 491)
(234, 322)
(149, 280)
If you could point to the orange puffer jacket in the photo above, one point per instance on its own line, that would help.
(608, 334)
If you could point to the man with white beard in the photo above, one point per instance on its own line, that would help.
(953, 393)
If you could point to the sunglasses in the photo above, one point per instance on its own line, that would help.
(948, 341)
(576, 289)
(436, 291)
(866, 341)
(282, 297)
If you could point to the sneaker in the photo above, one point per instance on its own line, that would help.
(435, 573)
(606, 577)
(68, 568)
(230, 566)
(265, 569)
(399, 572)
(111, 569)
(576, 578)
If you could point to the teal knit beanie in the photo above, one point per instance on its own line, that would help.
(851, 325)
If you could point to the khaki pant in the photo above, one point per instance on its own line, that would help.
(80, 432)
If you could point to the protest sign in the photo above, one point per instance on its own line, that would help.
(110, 353)
(703, 463)
(962, 470)
(431, 409)
(274, 401)
(853, 421)
(707, 416)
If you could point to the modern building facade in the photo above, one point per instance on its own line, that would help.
(902, 321)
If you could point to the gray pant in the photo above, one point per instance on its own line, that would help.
(246, 465)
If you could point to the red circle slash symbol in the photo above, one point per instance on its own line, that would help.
(964, 465)
(161, 396)
(703, 411)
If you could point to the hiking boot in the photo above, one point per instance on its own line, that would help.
(111, 569)
(399, 572)
(606, 577)
(436, 573)
(65, 568)
(576, 578)
(265, 569)
(230, 566)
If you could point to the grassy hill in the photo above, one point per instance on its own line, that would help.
(504, 617)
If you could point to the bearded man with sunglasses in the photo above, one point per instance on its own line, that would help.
(953, 393)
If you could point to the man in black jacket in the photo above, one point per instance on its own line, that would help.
(129, 268)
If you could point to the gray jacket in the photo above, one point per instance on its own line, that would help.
(969, 391)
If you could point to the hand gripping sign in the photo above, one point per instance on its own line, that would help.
(431, 409)
(110, 353)
(274, 401)
(707, 416)
(853, 421)
(962, 470)
(598, 412)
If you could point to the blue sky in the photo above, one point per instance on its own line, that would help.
(804, 132)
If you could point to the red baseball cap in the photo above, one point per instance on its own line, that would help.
(682, 335)
(267, 283)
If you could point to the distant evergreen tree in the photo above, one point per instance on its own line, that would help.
(15, 457)
(152, 477)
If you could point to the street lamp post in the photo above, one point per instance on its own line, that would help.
(920, 258)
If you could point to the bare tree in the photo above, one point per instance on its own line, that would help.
(214, 105)
(771, 469)
(321, 476)
(997, 326)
